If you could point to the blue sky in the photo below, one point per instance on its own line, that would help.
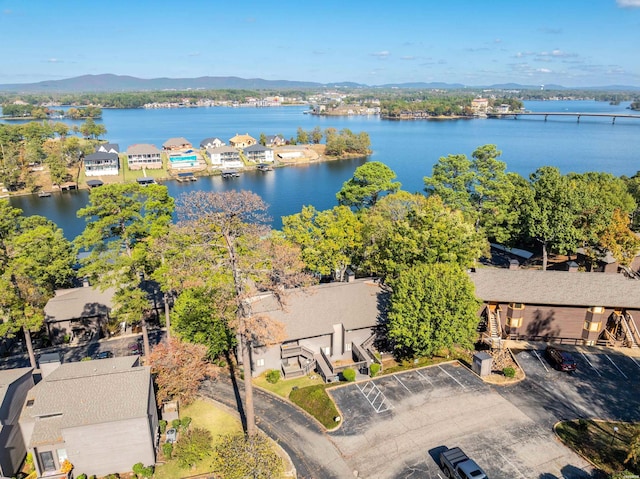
(473, 42)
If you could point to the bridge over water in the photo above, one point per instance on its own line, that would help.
(515, 115)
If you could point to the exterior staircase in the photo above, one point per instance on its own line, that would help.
(632, 335)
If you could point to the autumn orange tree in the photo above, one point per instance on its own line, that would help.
(223, 245)
(179, 368)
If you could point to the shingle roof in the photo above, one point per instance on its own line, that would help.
(221, 149)
(78, 303)
(256, 147)
(206, 141)
(85, 393)
(143, 149)
(178, 141)
(108, 146)
(556, 288)
(360, 304)
(101, 156)
(8, 377)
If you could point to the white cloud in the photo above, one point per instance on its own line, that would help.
(628, 3)
(543, 70)
(54, 60)
(382, 54)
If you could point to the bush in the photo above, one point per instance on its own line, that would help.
(185, 422)
(374, 369)
(273, 376)
(141, 471)
(175, 423)
(583, 425)
(509, 372)
(194, 446)
(167, 450)
(162, 424)
(349, 375)
(82, 476)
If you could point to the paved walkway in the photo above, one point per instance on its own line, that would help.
(311, 450)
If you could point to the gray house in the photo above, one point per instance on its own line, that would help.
(328, 328)
(14, 385)
(99, 415)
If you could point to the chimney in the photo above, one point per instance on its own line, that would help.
(48, 363)
(351, 276)
(572, 266)
(514, 264)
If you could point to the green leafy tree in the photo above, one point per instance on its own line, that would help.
(239, 457)
(433, 307)
(263, 139)
(302, 138)
(330, 240)
(369, 182)
(403, 230)
(123, 219)
(194, 446)
(316, 135)
(91, 129)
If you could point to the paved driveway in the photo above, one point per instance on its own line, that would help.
(394, 426)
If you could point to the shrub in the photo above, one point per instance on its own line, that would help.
(194, 446)
(509, 372)
(185, 422)
(374, 369)
(273, 376)
(239, 456)
(86, 358)
(82, 476)
(583, 425)
(141, 471)
(163, 425)
(175, 423)
(167, 450)
(349, 375)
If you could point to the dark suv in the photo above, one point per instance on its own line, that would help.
(561, 360)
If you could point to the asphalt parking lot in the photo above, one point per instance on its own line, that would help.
(395, 426)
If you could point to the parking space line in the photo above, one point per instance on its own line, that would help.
(616, 366)
(375, 389)
(635, 361)
(403, 384)
(590, 364)
(429, 380)
(535, 353)
(461, 385)
(511, 464)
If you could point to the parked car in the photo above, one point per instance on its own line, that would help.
(135, 348)
(171, 435)
(561, 360)
(104, 355)
(457, 465)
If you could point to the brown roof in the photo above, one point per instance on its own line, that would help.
(78, 303)
(143, 149)
(178, 141)
(359, 304)
(556, 288)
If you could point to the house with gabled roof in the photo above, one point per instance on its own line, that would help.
(258, 153)
(571, 306)
(14, 386)
(275, 140)
(328, 328)
(143, 155)
(242, 141)
(108, 148)
(177, 143)
(101, 164)
(224, 157)
(211, 143)
(99, 415)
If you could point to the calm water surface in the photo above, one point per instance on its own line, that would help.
(410, 148)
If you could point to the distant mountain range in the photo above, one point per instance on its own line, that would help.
(122, 83)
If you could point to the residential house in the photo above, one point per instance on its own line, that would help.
(143, 155)
(108, 148)
(224, 157)
(275, 140)
(330, 327)
(77, 312)
(176, 144)
(14, 385)
(479, 105)
(258, 153)
(101, 164)
(100, 415)
(578, 307)
(503, 108)
(242, 141)
(211, 143)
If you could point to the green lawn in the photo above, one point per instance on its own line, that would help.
(596, 441)
(206, 415)
(284, 386)
(316, 401)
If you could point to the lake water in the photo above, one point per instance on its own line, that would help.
(410, 148)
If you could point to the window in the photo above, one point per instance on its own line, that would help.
(514, 322)
(347, 347)
(597, 310)
(46, 461)
(592, 326)
(62, 456)
(260, 362)
(516, 306)
(327, 350)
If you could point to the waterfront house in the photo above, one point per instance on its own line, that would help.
(108, 148)
(572, 306)
(143, 155)
(99, 415)
(479, 105)
(101, 164)
(77, 312)
(14, 385)
(275, 140)
(224, 157)
(328, 328)
(242, 141)
(211, 143)
(258, 153)
(176, 144)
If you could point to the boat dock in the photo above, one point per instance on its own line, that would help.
(186, 177)
(226, 174)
